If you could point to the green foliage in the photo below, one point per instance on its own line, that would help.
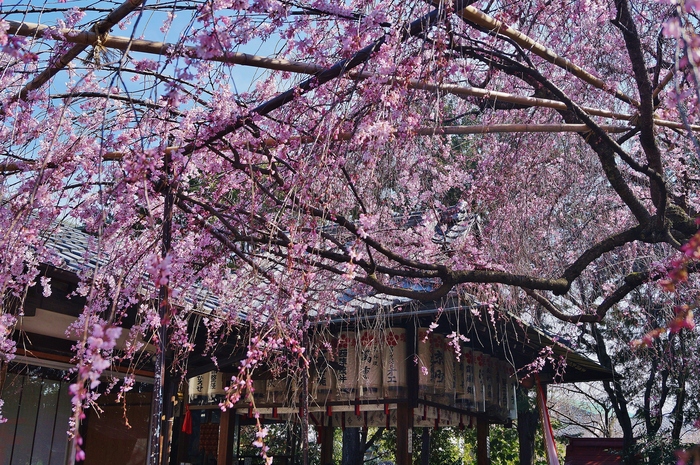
(658, 449)
(451, 446)
(445, 446)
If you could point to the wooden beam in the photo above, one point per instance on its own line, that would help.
(158, 48)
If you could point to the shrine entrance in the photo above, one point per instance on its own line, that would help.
(404, 374)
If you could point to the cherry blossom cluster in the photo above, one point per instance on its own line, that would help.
(94, 357)
(8, 347)
(285, 218)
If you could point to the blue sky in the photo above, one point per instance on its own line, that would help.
(147, 25)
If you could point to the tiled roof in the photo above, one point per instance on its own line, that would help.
(73, 246)
(74, 250)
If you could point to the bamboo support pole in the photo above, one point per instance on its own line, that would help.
(157, 48)
(102, 27)
(512, 128)
(468, 13)
(664, 82)
(481, 19)
(10, 167)
(160, 48)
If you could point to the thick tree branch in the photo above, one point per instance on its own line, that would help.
(554, 311)
(647, 137)
(586, 258)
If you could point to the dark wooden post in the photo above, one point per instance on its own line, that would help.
(404, 434)
(411, 365)
(528, 420)
(326, 433)
(482, 441)
(425, 447)
(161, 403)
(404, 410)
(228, 434)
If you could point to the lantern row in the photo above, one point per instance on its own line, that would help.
(372, 365)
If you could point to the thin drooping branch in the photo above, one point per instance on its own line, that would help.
(341, 68)
(601, 143)
(606, 149)
(120, 98)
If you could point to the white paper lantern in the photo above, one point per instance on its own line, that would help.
(512, 394)
(437, 363)
(503, 387)
(198, 388)
(469, 379)
(450, 372)
(488, 376)
(322, 382)
(215, 386)
(346, 375)
(394, 354)
(460, 379)
(423, 349)
(479, 387)
(370, 367)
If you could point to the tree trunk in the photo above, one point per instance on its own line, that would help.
(617, 398)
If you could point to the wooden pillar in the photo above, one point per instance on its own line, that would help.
(482, 441)
(411, 365)
(228, 434)
(326, 433)
(404, 434)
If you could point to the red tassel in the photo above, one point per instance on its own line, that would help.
(187, 421)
